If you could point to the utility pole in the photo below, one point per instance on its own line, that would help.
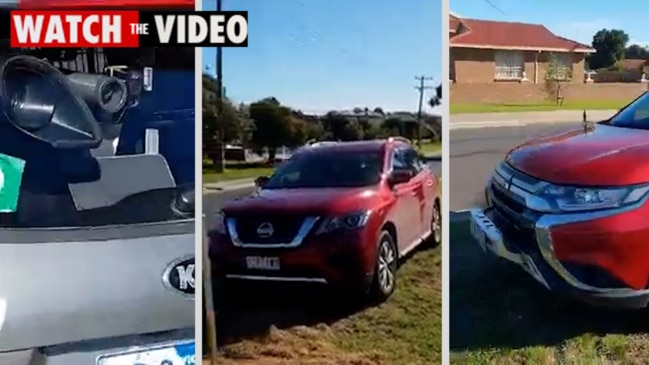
(220, 158)
(208, 295)
(422, 87)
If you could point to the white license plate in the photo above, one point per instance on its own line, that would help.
(174, 354)
(262, 263)
(478, 235)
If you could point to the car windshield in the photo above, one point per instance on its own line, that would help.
(328, 169)
(635, 115)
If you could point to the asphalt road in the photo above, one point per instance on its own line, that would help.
(213, 202)
(476, 152)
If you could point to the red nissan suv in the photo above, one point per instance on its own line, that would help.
(572, 210)
(336, 213)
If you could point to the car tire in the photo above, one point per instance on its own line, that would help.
(435, 238)
(385, 270)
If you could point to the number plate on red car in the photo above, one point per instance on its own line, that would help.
(262, 263)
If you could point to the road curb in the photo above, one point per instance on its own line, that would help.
(514, 119)
(486, 124)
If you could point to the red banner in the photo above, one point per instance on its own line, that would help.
(106, 4)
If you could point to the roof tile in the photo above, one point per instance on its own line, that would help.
(514, 35)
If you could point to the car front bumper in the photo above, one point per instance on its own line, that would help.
(339, 260)
(545, 260)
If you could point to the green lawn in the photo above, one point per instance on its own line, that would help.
(430, 148)
(458, 108)
(236, 171)
(499, 315)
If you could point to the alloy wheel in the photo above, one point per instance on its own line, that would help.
(387, 258)
(436, 224)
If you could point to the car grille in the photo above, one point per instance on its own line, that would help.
(515, 220)
(285, 227)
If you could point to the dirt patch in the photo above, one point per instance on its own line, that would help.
(499, 315)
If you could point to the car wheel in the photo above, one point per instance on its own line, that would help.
(386, 268)
(435, 237)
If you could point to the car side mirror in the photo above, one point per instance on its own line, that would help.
(261, 181)
(399, 177)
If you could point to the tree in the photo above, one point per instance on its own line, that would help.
(636, 52)
(273, 127)
(609, 46)
(379, 110)
(394, 125)
(555, 74)
(219, 129)
(339, 127)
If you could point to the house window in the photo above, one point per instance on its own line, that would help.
(563, 66)
(509, 65)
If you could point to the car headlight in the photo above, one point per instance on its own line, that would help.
(553, 198)
(344, 222)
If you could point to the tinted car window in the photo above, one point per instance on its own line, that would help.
(412, 159)
(399, 160)
(635, 115)
(406, 158)
(328, 169)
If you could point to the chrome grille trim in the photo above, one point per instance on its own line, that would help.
(518, 186)
(305, 229)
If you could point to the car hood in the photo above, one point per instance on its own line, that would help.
(598, 155)
(306, 201)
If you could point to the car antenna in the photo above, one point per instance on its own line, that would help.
(585, 121)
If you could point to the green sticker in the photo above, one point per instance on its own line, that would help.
(11, 176)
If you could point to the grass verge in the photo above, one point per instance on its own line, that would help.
(459, 108)
(499, 315)
(430, 148)
(404, 330)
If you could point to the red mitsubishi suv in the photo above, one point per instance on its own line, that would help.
(336, 213)
(572, 209)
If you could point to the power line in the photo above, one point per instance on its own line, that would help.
(422, 87)
(495, 7)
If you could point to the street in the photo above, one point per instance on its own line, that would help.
(213, 201)
(476, 152)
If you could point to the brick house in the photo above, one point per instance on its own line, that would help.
(485, 51)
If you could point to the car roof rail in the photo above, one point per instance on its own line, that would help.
(315, 143)
(399, 138)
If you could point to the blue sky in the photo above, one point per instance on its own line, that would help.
(318, 55)
(575, 19)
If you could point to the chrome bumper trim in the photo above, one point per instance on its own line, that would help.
(544, 242)
(277, 278)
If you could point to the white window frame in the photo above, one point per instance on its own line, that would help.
(564, 65)
(510, 65)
